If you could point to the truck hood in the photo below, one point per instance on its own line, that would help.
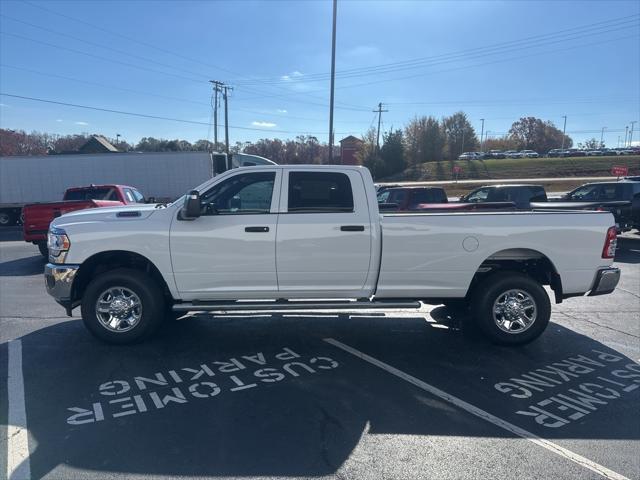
(126, 213)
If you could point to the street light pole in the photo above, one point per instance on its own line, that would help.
(631, 133)
(602, 137)
(564, 129)
(626, 132)
(333, 78)
(481, 134)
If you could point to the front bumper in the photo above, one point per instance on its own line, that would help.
(606, 281)
(59, 282)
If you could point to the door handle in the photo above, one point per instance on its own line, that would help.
(256, 229)
(352, 228)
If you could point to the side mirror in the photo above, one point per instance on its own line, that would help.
(192, 207)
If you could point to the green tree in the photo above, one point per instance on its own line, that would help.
(392, 153)
(424, 140)
(532, 133)
(459, 135)
(592, 144)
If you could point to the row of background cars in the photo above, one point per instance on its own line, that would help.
(621, 198)
(554, 153)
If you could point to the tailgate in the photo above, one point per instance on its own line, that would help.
(38, 216)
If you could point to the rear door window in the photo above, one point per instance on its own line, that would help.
(319, 192)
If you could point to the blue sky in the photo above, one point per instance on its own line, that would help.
(497, 60)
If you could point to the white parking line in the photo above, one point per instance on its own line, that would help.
(18, 466)
(478, 412)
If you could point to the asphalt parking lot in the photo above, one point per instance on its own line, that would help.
(404, 394)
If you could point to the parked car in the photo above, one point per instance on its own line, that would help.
(513, 154)
(624, 151)
(529, 154)
(574, 152)
(470, 156)
(408, 198)
(520, 195)
(555, 152)
(38, 216)
(593, 153)
(621, 198)
(273, 237)
(499, 154)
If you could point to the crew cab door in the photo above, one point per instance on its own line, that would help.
(323, 244)
(229, 251)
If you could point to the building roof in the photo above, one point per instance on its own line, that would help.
(105, 143)
(351, 139)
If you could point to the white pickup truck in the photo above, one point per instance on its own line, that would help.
(311, 237)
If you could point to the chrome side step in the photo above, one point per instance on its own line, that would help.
(278, 305)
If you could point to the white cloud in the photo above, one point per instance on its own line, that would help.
(59, 120)
(281, 110)
(291, 76)
(81, 123)
(3, 105)
(263, 124)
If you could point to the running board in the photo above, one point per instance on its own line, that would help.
(288, 305)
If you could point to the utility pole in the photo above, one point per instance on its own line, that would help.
(462, 148)
(217, 87)
(379, 111)
(631, 133)
(333, 79)
(481, 134)
(564, 129)
(626, 132)
(618, 141)
(602, 137)
(226, 118)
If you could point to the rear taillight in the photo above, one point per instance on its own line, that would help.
(610, 243)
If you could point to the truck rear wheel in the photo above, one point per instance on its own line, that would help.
(511, 308)
(122, 306)
(6, 219)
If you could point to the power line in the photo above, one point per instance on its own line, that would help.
(80, 52)
(499, 47)
(156, 117)
(164, 50)
(106, 47)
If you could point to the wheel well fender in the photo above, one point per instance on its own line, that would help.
(528, 261)
(111, 260)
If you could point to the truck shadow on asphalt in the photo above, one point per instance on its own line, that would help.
(23, 266)
(241, 395)
(628, 250)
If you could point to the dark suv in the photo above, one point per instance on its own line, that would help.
(521, 195)
(620, 198)
(409, 198)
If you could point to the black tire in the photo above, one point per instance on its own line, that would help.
(148, 293)
(44, 250)
(495, 287)
(6, 219)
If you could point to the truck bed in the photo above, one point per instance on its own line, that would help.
(430, 255)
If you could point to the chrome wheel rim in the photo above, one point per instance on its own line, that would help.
(118, 309)
(514, 311)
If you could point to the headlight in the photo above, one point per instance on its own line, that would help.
(58, 244)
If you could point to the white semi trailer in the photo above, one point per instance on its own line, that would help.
(162, 176)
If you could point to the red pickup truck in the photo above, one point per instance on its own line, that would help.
(38, 216)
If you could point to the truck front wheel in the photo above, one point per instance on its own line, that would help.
(122, 306)
(511, 308)
(44, 250)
